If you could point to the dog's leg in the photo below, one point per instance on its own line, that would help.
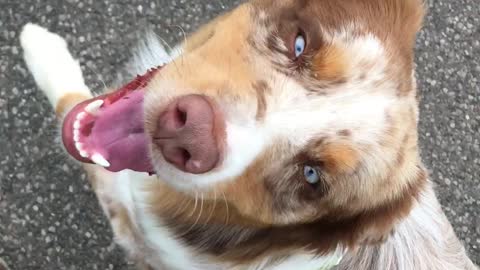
(59, 76)
(113, 193)
(55, 71)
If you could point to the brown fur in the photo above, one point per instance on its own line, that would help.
(339, 158)
(261, 89)
(395, 22)
(330, 64)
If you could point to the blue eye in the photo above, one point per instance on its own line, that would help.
(311, 175)
(299, 45)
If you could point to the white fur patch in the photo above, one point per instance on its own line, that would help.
(55, 71)
(162, 247)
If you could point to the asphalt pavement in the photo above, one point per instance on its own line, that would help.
(49, 217)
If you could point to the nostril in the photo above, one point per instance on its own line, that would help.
(180, 117)
(178, 156)
(186, 156)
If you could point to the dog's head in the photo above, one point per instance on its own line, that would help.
(295, 110)
(302, 114)
(298, 112)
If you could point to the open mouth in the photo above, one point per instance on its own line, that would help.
(109, 129)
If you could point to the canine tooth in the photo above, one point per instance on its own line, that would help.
(83, 154)
(94, 106)
(76, 125)
(81, 115)
(100, 160)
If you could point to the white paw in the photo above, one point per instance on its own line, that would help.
(35, 39)
(54, 69)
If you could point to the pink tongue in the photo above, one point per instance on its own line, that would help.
(115, 132)
(118, 134)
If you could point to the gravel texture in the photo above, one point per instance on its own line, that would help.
(49, 217)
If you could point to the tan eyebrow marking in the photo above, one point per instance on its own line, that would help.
(330, 63)
(338, 158)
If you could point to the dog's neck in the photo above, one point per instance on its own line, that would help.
(424, 240)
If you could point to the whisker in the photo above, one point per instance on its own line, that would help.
(226, 205)
(183, 206)
(214, 204)
(198, 216)
(195, 205)
(185, 42)
(165, 43)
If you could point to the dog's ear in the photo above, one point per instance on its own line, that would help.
(202, 35)
(415, 11)
(408, 16)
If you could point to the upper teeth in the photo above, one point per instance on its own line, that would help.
(76, 125)
(81, 115)
(76, 135)
(83, 154)
(79, 146)
(94, 107)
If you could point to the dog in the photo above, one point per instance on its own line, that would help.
(281, 135)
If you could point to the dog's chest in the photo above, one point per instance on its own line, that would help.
(152, 242)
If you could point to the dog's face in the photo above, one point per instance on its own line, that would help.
(308, 109)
